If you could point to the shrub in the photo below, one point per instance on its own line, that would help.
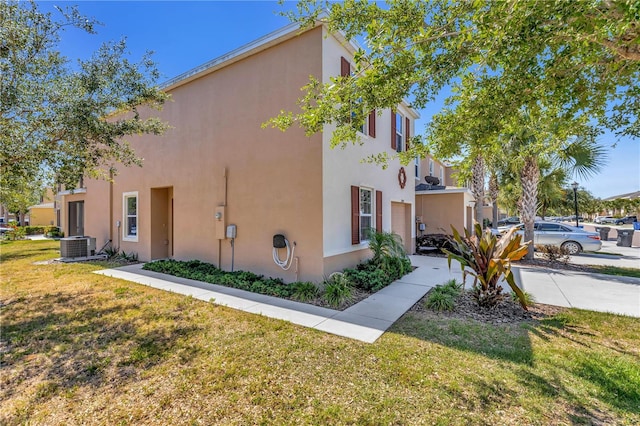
(304, 291)
(440, 300)
(553, 253)
(337, 290)
(488, 259)
(529, 300)
(442, 297)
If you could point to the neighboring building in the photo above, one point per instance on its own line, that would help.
(217, 167)
(439, 203)
(43, 213)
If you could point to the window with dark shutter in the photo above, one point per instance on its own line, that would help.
(372, 123)
(393, 130)
(345, 67)
(407, 127)
(355, 215)
(379, 211)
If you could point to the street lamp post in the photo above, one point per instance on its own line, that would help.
(574, 185)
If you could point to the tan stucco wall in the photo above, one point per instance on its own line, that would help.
(273, 178)
(41, 216)
(440, 211)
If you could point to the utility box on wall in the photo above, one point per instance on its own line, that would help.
(220, 221)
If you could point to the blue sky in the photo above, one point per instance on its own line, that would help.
(184, 35)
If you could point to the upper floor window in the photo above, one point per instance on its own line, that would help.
(417, 167)
(441, 175)
(400, 141)
(431, 167)
(130, 216)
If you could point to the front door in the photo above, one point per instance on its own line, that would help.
(161, 223)
(76, 218)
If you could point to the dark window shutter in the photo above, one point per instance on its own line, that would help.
(393, 130)
(379, 211)
(345, 67)
(407, 135)
(372, 123)
(355, 215)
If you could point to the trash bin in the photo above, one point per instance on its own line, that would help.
(636, 226)
(604, 232)
(625, 237)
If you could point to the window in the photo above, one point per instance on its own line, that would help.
(130, 216)
(399, 133)
(362, 213)
(417, 167)
(366, 213)
(431, 167)
(441, 175)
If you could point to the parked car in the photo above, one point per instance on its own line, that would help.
(513, 220)
(626, 219)
(573, 239)
(605, 219)
(4, 229)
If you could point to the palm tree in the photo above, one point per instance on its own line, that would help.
(540, 137)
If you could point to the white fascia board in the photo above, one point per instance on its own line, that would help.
(444, 191)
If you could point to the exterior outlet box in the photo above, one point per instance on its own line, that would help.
(231, 231)
(220, 222)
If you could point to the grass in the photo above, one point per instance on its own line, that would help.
(616, 270)
(77, 347)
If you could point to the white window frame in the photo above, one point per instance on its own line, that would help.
(431, 166)
(365, 238)
(442, 175)
(400, 140)
(125, 217)
(417, 168)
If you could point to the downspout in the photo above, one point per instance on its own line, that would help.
(224, 191)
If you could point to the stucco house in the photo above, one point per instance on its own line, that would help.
(439, 201)
(216, 166)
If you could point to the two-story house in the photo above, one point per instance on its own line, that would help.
(218, 187)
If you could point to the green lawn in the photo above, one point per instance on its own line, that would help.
(82, 348)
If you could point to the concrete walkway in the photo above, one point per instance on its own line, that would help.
(365, 321)
(368, 320)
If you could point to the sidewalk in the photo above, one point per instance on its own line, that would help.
(365, 321)
(368, 320)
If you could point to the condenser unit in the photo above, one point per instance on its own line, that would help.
(73, 247)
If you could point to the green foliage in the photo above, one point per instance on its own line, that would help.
(488, 259)
(529, 300)
(553, 253)
(52, 114)
(243, 280)
(385, 245)
(442, 297)
(40, 230)
(16, 233)
(337, 290)
(579, 59)
(304, 291)
(440, 301)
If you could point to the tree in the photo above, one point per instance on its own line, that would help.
(580, 58)
(18, 199)
(59, 119)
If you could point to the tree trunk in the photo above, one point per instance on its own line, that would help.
(477, 186)
(529, 177)
(493, 193)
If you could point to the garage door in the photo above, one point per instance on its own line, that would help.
(400, 214)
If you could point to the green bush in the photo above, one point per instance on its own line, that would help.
(304, 291)
(529, 300)
(442, 297)
(338, 290)
(440, 301)
(206, 272)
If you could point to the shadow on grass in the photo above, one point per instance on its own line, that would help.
(86, 339)
(599, 368)
(23, 254)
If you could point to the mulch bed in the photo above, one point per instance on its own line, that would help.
(506, 312)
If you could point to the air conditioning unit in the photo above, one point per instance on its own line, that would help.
(91, 246)
(73, 247)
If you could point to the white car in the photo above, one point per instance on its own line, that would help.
(573, 239)
(605, 219)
